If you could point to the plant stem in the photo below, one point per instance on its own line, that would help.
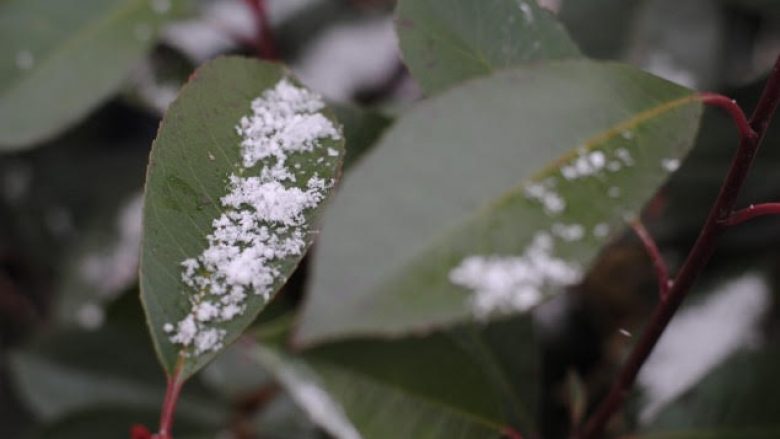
(661, 271)
(753, 211)
(734, 110)
(751, 134)
(266, 47)
(511, 433)
(169, 406)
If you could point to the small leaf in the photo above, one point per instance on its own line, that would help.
(465, 383)
(536, 165)
(242, 163)
(61, 59)
(445, 42)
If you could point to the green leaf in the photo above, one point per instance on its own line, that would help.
(201, 183)
(445, 42)
(459, 176)
(466, 383)
(737, 400)
(61, 59)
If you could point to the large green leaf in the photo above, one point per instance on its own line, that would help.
(445, 42)
(459, 176)
(224, 229)
(466, 383)
(62, 58)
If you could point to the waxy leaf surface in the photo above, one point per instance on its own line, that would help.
(534, 165)
(208, 199)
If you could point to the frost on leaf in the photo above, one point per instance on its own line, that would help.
(263, 220)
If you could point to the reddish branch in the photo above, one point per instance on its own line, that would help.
(661, 271)
(754, 211)
(734, 110)
(266, 47)
(751, 134)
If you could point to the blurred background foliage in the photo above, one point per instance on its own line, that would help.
(75, 359)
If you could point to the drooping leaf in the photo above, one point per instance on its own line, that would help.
(455, 191)
(445, 42)
(240, 168)
(61, 59)
(466, 383)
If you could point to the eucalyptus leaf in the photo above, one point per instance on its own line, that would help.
(241, 166)
(534, 165)
(59, 60)
(445, 42)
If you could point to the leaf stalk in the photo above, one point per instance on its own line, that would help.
(661, 270)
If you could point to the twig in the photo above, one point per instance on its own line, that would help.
(661, 270)
(169, 405)
(265, 44)
(734, 110)
(702, 250)
(754, 211)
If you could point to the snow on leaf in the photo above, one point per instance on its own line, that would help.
(262, 219)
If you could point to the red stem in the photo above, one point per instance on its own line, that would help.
(266, 47)
(730, 105)
(700, 253)
(169, 406)
(754, 211)
(511, 433)
(661, 271)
